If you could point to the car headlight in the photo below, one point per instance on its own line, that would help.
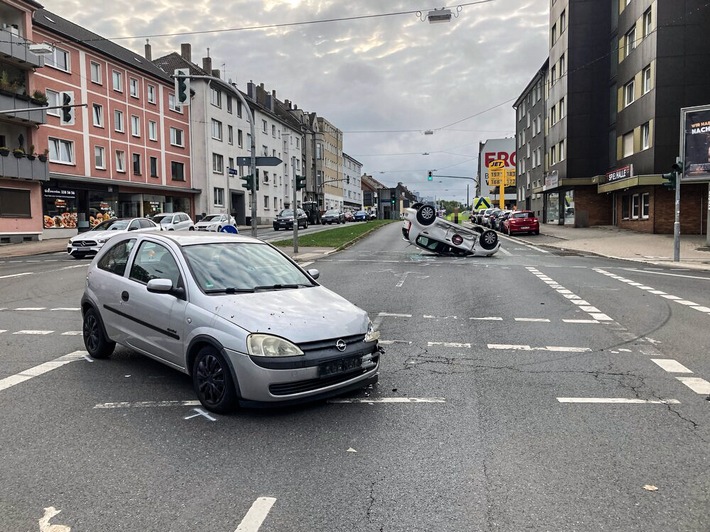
(101, 240)
(371, 334)
(265, 345)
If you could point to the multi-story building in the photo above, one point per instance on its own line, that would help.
(352, 190)
(612, 120)
(329, 157)
(125, 148)
(22, 171)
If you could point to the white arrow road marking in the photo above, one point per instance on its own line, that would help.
(202, 413)
(44, 525)
(256, 515)
(617, 400)
(9, 382)
(361, 400)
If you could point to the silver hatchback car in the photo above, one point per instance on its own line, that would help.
(240, 317)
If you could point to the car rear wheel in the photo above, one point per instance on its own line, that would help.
(426, 215)
(95, 339)
(212, 381)
(488, 240)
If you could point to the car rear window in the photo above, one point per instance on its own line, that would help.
(523, 215)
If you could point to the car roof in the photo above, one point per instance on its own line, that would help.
(193, 237)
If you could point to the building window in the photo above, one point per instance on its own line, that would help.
(152, 130)
(627, 144)
(239, 108)
(151, 94)
(117, 81)
(562, 108)
(553, 35)
(153, 167)
(273, 131)
(630, 39)
(563, 65)
(15, 203)
(95, 72)
(118, 121)
(635, 206)
(177, 171)
(553, 155)
(553, 75)
(625, 202)
(217, 163)
(229, 104)
(240, 138)
(59, 59)
(100, 157)
(646, 136)
(136, 164)
(563, 22)
(218, 196)
(217, 130)
(645, 205)
(647, 23)
(61, 151)
(553, 115)
(120, 161)
(133, 87)
(646, 79)
(53, 100)
(230, 162)
(629, 93)
(98, 114)
(266, 202)
(215, 97)
(176, 137)
(230, 134)
(135, 126)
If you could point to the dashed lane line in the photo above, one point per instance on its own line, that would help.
(33, 332)
(9, 382)
(670, 365)
(554, 348)
(385, 400)
(698, 385)
(617, 401)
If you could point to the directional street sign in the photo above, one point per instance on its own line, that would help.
(233, 171)
(482, 203)
(260, 161)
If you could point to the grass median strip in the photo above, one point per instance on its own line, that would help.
(335, 238)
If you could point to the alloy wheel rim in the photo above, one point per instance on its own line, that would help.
(91, 332)
(211, 379)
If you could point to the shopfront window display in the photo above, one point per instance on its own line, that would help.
(60, 208)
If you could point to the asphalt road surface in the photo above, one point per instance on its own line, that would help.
(525, 391)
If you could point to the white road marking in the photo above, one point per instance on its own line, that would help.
(146, 404)
(600, 317)
(31, 308)
(72, 333)
(449, 344)
(668, 274)
(696, 384)
(488, 318)
(516, 347)
(426, 316)
(359, 400)
(3, 330)
(256, 515)
(88, 358)
(202, 413)
(505, 252)
(30, 373)
(580, 321)
(44, 525)
(401, 281)
(390, 342)
(387, 314)
(670, 365)
(33, 332)
(617, 400)
(15, 275)
(65, 308)
(534, 320)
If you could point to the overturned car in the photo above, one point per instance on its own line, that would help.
(424, 229)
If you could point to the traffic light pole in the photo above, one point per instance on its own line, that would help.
(676, 222)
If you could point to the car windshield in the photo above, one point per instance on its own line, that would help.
(163, 218)
(212, 218)
(286, 212)
(228, 268)
(112, 225)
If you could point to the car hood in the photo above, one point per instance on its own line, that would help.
(207, 224)
(97, 235)
(300, 315)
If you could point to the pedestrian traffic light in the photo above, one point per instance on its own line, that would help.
(300, 182)
(248, 182)
(67, 109)
(430, 178)
(182, 86)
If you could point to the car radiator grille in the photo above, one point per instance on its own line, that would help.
(83, 243)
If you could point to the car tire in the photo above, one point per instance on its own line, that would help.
(78, 256)
(536, 232)
(488, 240)
(212, 381)
(95, 340)
(276, 228)
(305, 224)
(190, 228)
(426, 214)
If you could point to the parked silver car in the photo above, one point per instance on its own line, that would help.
(215, 222)
(423, 228)
(174, 221)
(233, 312)
(90, 242)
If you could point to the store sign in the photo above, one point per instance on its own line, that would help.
(620, 173)
(552, 181)
(695, 138)
(59, 193)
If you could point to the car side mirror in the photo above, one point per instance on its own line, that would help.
(313, 273)
(165, 286)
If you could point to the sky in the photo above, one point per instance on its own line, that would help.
(382, 76)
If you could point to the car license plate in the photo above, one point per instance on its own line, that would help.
(336, 367)
(525, 227)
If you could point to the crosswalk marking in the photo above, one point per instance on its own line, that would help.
(698, 385)
(670, 365)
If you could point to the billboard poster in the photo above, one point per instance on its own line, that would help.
(695, 143)
(496, 150)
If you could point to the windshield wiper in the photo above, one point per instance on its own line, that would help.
(279, 286)
(229, 290)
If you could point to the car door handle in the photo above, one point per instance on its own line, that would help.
(124, 295)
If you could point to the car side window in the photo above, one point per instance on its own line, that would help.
(134, 225)
(116, 258)
(145, 224)
(154, 261)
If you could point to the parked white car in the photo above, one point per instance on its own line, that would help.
(90, 242)
(423, 228)
(215, 222)
(174, 221)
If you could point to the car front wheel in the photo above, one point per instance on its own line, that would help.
(488, 240)
(426, 215)
(95, 339)
(212, 381)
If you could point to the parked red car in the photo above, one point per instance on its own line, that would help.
(521, 222)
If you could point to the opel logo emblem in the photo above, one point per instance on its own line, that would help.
(341, 345)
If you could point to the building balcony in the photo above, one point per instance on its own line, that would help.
(10, 101)
(23, 168)
(16, 50)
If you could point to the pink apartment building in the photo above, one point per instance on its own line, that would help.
(125, 151)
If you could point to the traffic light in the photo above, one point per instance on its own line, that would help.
(182, 86)
(67, 109)
(300, 182)
(671, 178)
(393, 201)
(347, 179)
(430, 178)
(248, 182)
